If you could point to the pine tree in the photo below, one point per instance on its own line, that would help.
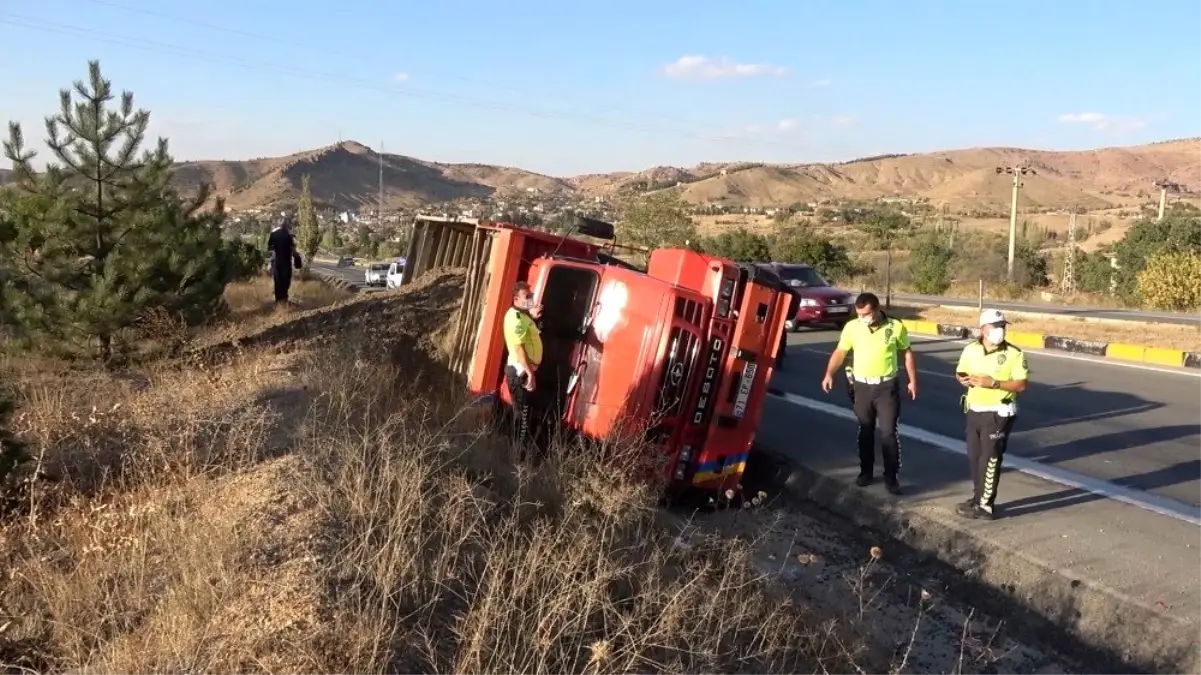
(12, 449)
(101, 237)
(308, 232)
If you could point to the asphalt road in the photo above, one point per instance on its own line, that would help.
(1063, 310)
(1133, 427)
(353, 275)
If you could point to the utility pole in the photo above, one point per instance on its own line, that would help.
(1067, 283)
(1164, 185)
(1017, 171)
(379, 214)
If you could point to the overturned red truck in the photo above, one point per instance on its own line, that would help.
(680, 353)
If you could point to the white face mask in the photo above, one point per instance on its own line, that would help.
(866, 320)
(995, 334)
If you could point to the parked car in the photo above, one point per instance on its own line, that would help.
(395, 271)
(819, 303)
(376, 274)
(345, 261)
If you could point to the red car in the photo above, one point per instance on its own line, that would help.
(818, 303)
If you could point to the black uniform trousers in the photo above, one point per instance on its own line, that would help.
(527, 424)
(987, 438)
(281, 275)
(878, 404)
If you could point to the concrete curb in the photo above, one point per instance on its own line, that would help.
(1159, 356)
(1110, 627)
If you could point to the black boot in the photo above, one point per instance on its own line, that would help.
(892, 485)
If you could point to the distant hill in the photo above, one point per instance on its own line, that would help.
(346, 175)
(967, 179)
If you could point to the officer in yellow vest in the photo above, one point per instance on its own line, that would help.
(879, 343)
(994, 372)
(524, 342)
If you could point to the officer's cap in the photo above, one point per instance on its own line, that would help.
(992, 316)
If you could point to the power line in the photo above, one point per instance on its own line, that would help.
(374, 61)
(343, 80)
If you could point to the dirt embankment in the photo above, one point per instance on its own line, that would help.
(313, 496)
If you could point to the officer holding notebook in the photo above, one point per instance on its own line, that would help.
(994, 372)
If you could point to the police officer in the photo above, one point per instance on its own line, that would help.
(878, 342)
(282, 247)
(523, 338)
(994, 372)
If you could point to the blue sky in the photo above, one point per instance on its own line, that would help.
(588, 85)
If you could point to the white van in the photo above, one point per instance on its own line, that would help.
(375, 274)
(395, 271)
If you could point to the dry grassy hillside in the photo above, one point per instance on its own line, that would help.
(966, 180)
(346, 175)
(283, 502)
(309, 491)
(504, 177)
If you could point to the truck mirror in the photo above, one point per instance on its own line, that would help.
(595, 228)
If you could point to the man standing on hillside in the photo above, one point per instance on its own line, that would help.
(879, 343)
(281, 245)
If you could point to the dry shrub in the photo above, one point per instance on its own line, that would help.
(342, 510)
(447, 560)
(88, 428)
(253, 298)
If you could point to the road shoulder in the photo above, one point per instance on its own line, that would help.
(1113, 351)
(1121, 580)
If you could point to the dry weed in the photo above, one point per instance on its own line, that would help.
(330, 511)
(446, 562)
(254, 297)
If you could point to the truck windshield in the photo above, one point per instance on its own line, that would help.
(378, 267)
(800, 275)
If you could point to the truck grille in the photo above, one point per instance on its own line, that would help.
(688, 310)
(681, 357)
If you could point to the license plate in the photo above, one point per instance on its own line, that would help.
(837, 310)
(744, 390)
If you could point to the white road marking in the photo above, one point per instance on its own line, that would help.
(1137, 498)
(1188, 372)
